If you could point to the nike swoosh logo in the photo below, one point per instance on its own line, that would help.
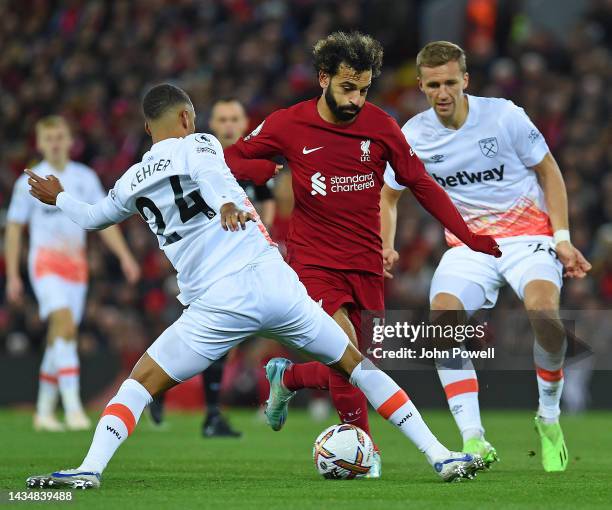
(308, 151)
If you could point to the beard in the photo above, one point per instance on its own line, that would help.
(342, 113)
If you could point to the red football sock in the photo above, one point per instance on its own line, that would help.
(313, 375)
(349, 401)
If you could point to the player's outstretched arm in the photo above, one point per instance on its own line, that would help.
(96, 216)
(555, 194)
(249, 157)
(12, 248)
(437, 202)
(258, 171)
(388, 225)
(410, 172)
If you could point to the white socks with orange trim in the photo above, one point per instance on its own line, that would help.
(460, 384)
(66, 360)
(392, 403)
(116, 424)
(47, 385)
(549, 370)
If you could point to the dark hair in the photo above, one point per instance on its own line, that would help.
(162, 97)
(359, 51)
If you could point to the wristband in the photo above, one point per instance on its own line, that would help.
(560, 236)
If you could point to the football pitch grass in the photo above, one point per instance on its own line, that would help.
(177, 468)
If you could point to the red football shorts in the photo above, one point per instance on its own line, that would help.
(357, 291)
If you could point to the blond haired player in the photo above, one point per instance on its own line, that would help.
(57, 266)
(495, 165)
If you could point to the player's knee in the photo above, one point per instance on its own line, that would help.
(444, 301)
(61, 324)
(343, 320)
(541, 302)
(67, 331)
(151, 376)
(541, 296)
(349, 360)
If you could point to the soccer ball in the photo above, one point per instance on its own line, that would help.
(343, 452)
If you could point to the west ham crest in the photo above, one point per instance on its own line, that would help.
(488, 147)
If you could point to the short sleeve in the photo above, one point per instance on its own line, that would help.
(390, 179)
(22, 203)
(527, 141)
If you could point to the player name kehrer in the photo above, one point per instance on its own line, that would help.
(454, 353)
(148, 171)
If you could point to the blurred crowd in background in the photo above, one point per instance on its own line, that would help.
(91, 60)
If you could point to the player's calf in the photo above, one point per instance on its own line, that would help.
(63, 346)
(393, 404)
(116, 424)
(48, 394)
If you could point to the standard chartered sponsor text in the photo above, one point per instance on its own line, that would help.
(357, 182)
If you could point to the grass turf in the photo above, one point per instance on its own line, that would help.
(176, 468)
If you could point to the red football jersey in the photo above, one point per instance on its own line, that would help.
(337, 176)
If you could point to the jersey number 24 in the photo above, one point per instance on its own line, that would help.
(186, 211)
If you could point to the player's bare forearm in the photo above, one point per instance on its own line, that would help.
(12, 247)
(114, 240)
(388, 215)
(555, 194)
(14, 285)
(268, 210)
(388, 222)
(552, 184)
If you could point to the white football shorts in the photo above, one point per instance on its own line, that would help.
(54, 293)
(475, 278)
(265, 298)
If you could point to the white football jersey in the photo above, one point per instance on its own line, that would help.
(485, 166)
(178, 189)
(57, 244)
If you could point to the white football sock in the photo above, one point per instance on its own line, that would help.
(47, 385)
(549, 371)
(460, 383)
(392, 403)
(66, 360)
(116, 424)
